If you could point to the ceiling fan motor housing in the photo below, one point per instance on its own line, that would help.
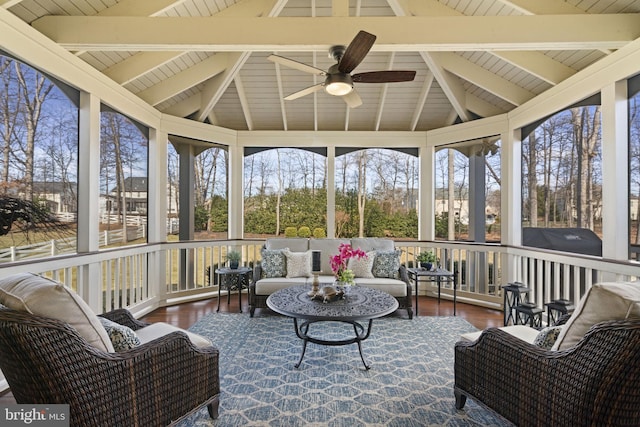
(337, 52)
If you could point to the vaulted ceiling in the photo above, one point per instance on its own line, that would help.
(207, 59)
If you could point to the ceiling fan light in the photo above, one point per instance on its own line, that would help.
(338, 85)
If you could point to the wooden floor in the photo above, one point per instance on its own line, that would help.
(185, 315)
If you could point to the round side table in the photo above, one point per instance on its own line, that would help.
(233, 279)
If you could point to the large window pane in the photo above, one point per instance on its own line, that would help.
(562, 172)
(124, 148)
(38, 164)
(211, 200)
(376, 194)
(634, 167)
(285, 193)
(453, 199)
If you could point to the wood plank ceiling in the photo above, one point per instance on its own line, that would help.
(207, 59)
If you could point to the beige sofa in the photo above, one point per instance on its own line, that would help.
(387, 274)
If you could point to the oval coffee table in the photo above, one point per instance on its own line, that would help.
(359, 305)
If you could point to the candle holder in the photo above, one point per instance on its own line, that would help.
(315, 270)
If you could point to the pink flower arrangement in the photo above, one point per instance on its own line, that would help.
(339, 262)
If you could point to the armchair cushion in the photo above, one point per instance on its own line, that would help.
(161, 329)
(38, 295)
(122, 337)
(602, 302)
(386, 264)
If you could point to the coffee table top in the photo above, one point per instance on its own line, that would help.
(360, 303)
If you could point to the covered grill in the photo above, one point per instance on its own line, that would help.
(575, 240)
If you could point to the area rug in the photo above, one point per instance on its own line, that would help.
(410, 382)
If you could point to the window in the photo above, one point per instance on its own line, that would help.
(376, 194)
(454, 208)
(124, 184)
(211, 201)
(285, 193)
(634, 167)
(562, 171)
(38, 164)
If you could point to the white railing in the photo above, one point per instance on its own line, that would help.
(142, 278)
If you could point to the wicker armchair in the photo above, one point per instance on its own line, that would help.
(45, 361)
(593, 383)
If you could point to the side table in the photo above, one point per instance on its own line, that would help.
(439, 275)
(514, 294)
(233, 279)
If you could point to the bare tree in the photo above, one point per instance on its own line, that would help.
(362, 189)
(33, 93)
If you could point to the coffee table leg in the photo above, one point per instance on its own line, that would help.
(359, 339)
(303, 336)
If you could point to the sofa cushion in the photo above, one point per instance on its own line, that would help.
(327, 248)
(122, 337)
(273, 263)
(372, 244)
(295, 244)
(387, 264)
(44, 297)
(602, 302)
(160, 329)
(298, 263)
(394, 287)
(547, 337)
(269, 286)
(523, 332)
(362, 267)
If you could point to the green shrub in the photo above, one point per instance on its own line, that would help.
(290, 232)
(304, 231)
(319, 233)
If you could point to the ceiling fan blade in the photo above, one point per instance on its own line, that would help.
(356, 51)
(304, 92)
(352, 99)
(384, 76)
(296, 65)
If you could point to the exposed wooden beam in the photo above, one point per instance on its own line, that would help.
(244, 102)
(138, 65)
(542, 7)
(140, 7)
(446, 33)
(538, 64)
(450, 85)
(186, 79)
(9, 3)
(214, 89)
(424, 93)
(483, 78)
(340, 7)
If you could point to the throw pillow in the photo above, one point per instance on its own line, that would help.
(44, 297)
(362, 267)
(298, 263)
(273, 263)
(547, 337)
(387, 264)
(122, 337)
(602, 302)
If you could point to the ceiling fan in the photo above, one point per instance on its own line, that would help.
(338, 79)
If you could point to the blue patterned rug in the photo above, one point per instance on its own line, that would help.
(410, 382)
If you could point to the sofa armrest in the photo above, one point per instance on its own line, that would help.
(404, 276)
(125, 318)
(257, 272)
(589, 384)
